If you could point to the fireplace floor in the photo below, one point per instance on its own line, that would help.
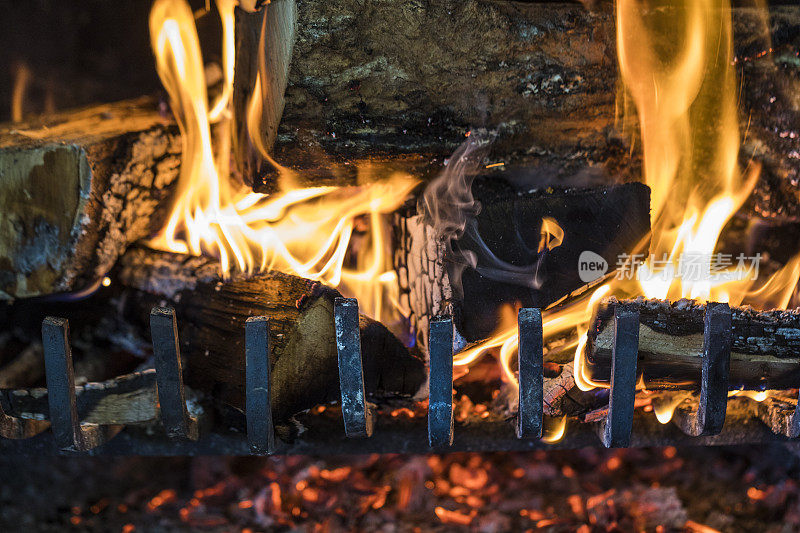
(754, 489)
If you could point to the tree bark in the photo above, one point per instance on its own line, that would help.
(211, 314)
(77, 188)
(384, 77)
(765, 351)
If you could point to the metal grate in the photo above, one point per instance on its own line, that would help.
(358, 417)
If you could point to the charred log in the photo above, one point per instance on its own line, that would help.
(504, 242)
(77, 188)
(764, 353)
(389, 77)
(211, 315)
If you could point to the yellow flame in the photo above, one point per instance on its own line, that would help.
(221, 105)
(675, 62)
(664, 405)
(22, 78)
(756, 396)
(308, 232)
(552, 234)
(554, 429)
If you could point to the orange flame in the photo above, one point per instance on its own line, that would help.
(676, 70)
(302, 231)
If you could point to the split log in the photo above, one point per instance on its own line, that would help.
(128, 399)
(211, 314)
(765, 351)
(497, 259)
(76, 189)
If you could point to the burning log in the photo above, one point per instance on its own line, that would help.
(78, 187)
(764, 352)
(390, 77)
(211, 315)
(498, 260)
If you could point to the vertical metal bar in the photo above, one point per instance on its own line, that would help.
(531, 373)
(717, 339)
(619, 421)
(355, 411)
(61, 383)
(260, 433)
(440, 383)
(169, 374)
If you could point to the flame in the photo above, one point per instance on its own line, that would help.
(552, 234)
(664, 405)
(308, 232)
(756, 396)
(22, 78)
(554, 429)
(678, 82)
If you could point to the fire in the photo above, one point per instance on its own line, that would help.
(677, 81)
(308, 232)
(676, 67)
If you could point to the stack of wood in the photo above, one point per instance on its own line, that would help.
(390, 83)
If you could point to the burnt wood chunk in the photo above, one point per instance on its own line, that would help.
(169, 375)
(355, 410)
(765, 345)
(498, 261)
(531, 374)
(781, 414)
(77, 188)
(619, 421)
(68, 431)
(304, 363)
(440, 386)
(258, 408)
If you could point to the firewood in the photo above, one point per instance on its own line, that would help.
(385, 76)
(127, 399)
(211, 314)
(765, 351)
(606, 221)
(264, 43)
(76, 189)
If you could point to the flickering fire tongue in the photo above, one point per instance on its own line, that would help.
(302, 231)
(682, 94)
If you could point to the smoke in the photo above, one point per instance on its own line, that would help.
(449, 208)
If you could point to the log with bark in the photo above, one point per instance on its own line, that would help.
(765, 352)
(212, 311)
(387, 77)
(76, 188)
(497, 259)
(127, 399)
